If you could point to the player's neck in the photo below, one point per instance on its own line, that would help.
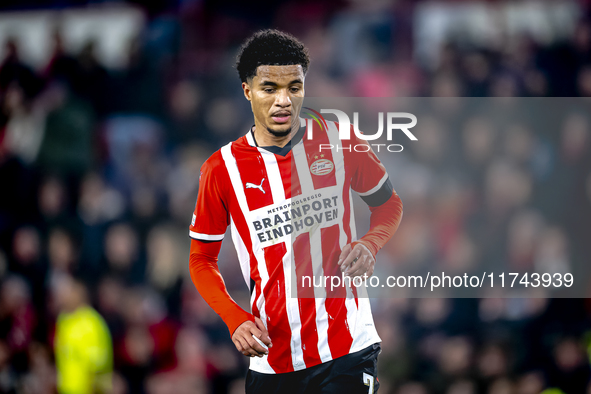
(264, 138)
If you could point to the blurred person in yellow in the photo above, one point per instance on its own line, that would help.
(83, 346)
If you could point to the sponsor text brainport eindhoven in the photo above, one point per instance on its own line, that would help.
(299, 216)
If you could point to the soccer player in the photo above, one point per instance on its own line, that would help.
(290, 213)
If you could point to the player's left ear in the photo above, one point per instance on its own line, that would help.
(247, 91)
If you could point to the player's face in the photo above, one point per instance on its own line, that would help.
(276, 94)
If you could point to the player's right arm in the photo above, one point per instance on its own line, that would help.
(207, 229)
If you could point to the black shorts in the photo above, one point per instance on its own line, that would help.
(350, 374)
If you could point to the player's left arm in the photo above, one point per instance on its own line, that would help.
(371, 181)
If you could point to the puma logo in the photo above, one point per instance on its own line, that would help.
(253, 186)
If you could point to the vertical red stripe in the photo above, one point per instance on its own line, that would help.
(251, 167)
(313, 153)
(295, 187)
(347, 208)
(330, 256)
(242, 228)
(279, 357)
(307, 304)
(285, 169)
(309, 331)
(347, 220)
(339, 334)
(303, 268)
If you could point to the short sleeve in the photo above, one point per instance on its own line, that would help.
(211, 217)
(369, 174)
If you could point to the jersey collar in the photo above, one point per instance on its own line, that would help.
(282, 151)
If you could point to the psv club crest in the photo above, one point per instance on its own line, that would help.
(321, 167)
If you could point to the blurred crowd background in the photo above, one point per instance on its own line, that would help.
(109, 108)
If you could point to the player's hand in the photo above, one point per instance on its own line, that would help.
(357, 261)
(245, 342)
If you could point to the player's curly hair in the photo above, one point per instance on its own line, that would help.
(271, 48)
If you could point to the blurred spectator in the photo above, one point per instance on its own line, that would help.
(7, 373)
(570, 370)
(166, 264)
(28, 261)
(13, 70)
(83, 348)
(66, 147)
(25, 128)
(90, 78)
(122, 254)
(61, 67)
(17, 319)
(186, 104)
(62, 253)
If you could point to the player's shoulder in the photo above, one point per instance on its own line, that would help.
(213, 162)
(216, 162)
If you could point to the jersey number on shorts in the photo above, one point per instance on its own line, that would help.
(368, 381)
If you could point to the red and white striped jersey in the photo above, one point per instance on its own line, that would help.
(290, 216)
